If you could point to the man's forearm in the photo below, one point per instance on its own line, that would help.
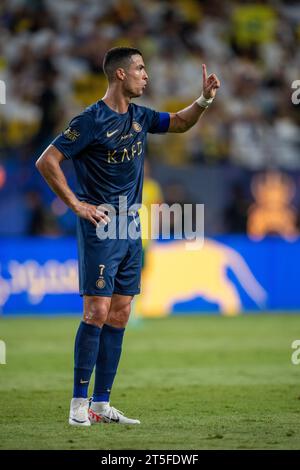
(51, 171)
(49, 166)
(187, 117)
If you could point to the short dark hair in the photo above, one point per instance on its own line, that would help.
(117, 57)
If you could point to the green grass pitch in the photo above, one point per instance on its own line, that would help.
(195, 382)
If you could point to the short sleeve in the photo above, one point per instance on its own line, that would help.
(78, 135)
(158, 122)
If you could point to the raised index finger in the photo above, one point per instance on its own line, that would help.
(204, 73)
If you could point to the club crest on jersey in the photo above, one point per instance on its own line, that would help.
(136, 126)
(100, 282)
(71, 134)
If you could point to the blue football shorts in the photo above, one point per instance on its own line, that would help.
(110, 266)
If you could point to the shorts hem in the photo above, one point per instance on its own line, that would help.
(98, 294)
(103, 294)
(127, 293)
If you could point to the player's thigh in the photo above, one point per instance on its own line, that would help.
(128, 277)
(98, 261)
(96, 309)
(119, 311)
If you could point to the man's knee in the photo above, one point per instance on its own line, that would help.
(119, 317)
(96, 310)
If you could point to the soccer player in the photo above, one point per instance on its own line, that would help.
(106, 143)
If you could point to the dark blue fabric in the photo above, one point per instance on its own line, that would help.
(107, 362)
(108, 266)
(107, 149)
(164, 123)
(85, 356)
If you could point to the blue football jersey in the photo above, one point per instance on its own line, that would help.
(107, 149)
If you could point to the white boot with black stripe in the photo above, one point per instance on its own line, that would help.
(79, 412)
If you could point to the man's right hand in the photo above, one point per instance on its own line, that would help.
(94, 214)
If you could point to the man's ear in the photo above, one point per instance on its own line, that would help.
(120, 73)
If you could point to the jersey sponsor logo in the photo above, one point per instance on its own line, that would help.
(71, 134)
(126, 154)
(84, 381)
(110, 134)
(136, 126)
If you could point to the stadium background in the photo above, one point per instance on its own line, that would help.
(242, 161)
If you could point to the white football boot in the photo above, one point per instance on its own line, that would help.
(102, 412)
(79, 412)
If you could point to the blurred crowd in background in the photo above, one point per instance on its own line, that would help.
(51, 54)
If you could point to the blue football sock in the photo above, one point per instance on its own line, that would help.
(85, 356)
(107, 362)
